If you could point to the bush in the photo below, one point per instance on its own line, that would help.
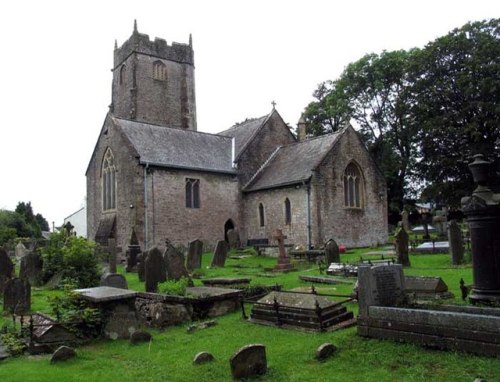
(173, 287)
(73, 257)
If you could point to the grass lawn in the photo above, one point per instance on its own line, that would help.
(290, 354)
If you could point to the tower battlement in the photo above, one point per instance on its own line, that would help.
(140, 43)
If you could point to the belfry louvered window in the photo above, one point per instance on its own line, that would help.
(159, 71)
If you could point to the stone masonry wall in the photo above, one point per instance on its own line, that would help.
(354, 227)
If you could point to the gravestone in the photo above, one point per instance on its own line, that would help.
(405, 219)
(325, 351)
(202, 357)
(141, 266)
(332, 252)
(132, 253)
(284, 264)
(233, 238)
(402, 241)
(31, 268)
(6, 269)
(112, 251)
(456, 244)
(20, 250)
(195, 251)
(62, 353)
(427, 287)
(154, 270)
(220, 254)
(439, 221)
(115, 280)
(17, 296)
(174, 263)
(249, 361)
(140, 336)
(383, 285)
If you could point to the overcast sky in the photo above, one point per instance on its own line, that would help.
(56, 58)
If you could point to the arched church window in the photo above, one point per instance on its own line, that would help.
(353, 186)
(159, 71)
(288, 211)
(262, 221)
(192, 193)
(123, 71)
(108, 175)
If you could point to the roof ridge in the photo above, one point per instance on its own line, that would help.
(241, 124)
(273, 154)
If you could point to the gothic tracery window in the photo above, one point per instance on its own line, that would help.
(192, 193)
(353, 186)
(108, 176)
(159, 71)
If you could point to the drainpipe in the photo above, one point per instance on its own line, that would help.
(146, 207)
(308, 213)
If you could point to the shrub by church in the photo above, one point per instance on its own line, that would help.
(151, 171)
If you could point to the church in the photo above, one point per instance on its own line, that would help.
(152, 172)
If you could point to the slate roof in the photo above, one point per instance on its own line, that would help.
(176, 148)
(292, 163)
(244, 132)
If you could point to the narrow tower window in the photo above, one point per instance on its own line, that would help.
(108, 181)
(262, 221)
(353, 186)
(192, 193)
(123, 71)
(159, 71)
(288, 211)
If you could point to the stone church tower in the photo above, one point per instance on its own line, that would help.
(154, 82)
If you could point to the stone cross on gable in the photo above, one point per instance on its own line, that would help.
(278, 236)
(112, 250)
(274, 104)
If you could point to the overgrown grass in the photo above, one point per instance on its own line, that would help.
(290, 353)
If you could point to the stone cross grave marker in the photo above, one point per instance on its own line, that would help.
(332, 252)
(112, 251)
(174, 263)
(284, 264)
(455, 242)
(402, 242)
(31, 268)
(6, 269)
(195, 250)
(382, 285)
(154, 270)
(220, 254)
(17, 296)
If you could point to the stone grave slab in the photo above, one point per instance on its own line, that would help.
(323, 280)
(303, 311)
(220, 254)
(348, 270)
(17, 296)
(195, 251)
(174, 263)
(425, 287)
(226, 282)
(103, 294)
(436, 247)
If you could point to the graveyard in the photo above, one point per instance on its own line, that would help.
(291, 353)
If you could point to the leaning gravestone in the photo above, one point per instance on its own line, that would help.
(332, 252)
(382, 285)
(174, 263)
(154, 270)
(17, 296)
(233, 238)
(31, 268)
(6, 269)
(115, 280)
(249, 361)
(220, 254)
(456, 243)
(402, 241)
(195, 250)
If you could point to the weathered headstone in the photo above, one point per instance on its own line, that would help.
(284, 264)
(141, 266)
(426, 287)
(31, 268)
(439, 221)
(402, 241)
(174, 263)
(6, 269)
(20, 250)
(195, 250)
(202, 357)
(220, 254)
(112, 251)
(17, 296)
(456, 243)
(325, 351)
(405, 219)
(140, 336)
(233, 238)
(383, 285)
(62, 353)
(332, 253)
(115, 280)
(154, 270)
(132, 253)
(249, 361)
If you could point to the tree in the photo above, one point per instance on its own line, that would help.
(457, 97)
